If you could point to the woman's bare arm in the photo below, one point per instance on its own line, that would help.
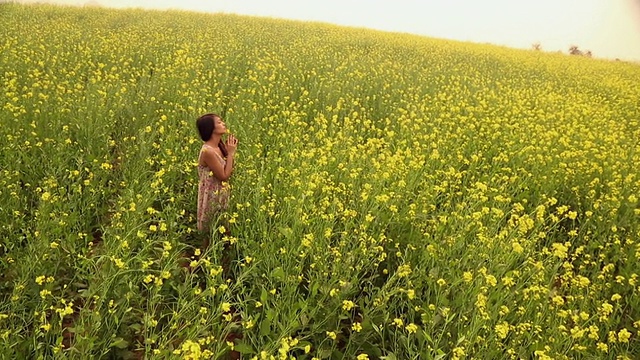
(214, 162)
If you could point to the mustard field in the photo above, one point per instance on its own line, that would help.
(394, 196)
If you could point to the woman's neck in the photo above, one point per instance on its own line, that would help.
(213, 141)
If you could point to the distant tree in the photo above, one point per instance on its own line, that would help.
(573, 50)
(536, 46)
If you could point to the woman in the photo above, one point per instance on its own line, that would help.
(215, 166)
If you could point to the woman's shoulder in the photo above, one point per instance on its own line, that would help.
(214, 150)
(207, 147)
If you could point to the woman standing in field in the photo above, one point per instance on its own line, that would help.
(215, 166)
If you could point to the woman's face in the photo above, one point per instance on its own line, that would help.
(219, 126)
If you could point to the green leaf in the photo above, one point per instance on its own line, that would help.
(243, 348)
(271, 314)
(286, 231)
(80, 285)
(375, 327)
(375, 352)
(278, 273)
(324, 353)
(264, 295)
(314, 289)
(265, 327)
(293, 324)
(389, 356)
(120, 343)
(427, 336)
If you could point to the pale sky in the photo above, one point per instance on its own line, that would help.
(609, 28)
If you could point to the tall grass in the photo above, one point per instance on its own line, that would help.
(394, 196)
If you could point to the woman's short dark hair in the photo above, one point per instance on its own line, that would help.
(206, 124)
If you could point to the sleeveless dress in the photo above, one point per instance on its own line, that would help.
(213, 194)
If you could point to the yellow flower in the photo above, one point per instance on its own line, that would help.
(411, 294)
(502, 330)
(362, 357)
(118, 262)
(508, 281)
(582, 281)
(517, 247)
(458, 352)
(225, 307)
(357, 327)
(602, 347)
(347, 305)
(191, 350)
(558, 300)
(624, 335)
(332, 335)
(412, 328)
(491, 280)
(404, 270)
(559, 250)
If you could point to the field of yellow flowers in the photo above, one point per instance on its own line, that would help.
(395, 197)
